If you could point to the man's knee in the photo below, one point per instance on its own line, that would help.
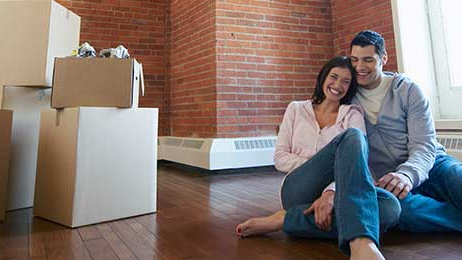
(389, 209)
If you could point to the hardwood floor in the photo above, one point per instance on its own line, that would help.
(196, 217)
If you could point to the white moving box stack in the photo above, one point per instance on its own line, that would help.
(97, 157)
(35, 32)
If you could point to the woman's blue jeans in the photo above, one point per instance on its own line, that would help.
(360, 209)
(436, 205)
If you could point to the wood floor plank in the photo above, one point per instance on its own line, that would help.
(89, 233)
(161, 245)
(137, 244)
(58, 240)
(99, 249)
(118, 246)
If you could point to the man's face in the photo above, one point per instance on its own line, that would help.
(368, 65)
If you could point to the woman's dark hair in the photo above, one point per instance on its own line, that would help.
(337, 62)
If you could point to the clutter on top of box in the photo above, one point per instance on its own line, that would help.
(33, 34)
(97, 82)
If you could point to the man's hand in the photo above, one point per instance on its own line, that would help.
(322, 209)
(395, 183)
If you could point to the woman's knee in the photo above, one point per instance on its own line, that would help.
(354, 136)
(354, 132)
(389, 209)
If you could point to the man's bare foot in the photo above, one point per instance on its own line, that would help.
(364, 249)
(257, 226)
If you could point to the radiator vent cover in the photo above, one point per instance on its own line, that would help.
(173, 141)
(451, 143)
(254, 144)
(194, 144)
(184, 142)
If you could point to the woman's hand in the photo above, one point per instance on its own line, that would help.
(322, 209)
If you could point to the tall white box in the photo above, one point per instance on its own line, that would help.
(26, 104)
(33, 33)
(6, 121)
(96, 164)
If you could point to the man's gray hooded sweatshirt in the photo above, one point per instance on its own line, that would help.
(403, 140)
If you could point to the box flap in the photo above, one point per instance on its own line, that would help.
(142, 79)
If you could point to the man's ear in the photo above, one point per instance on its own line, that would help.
(384, 59)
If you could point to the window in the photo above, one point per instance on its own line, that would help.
(445, 22)
(429, 34)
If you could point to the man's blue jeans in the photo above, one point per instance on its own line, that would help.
(436, 205)
(357, 201)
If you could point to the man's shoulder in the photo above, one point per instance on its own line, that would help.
(404, 87)
(400, 80)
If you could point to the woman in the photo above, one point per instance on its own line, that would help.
(322, 140)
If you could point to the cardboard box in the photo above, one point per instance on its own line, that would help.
(96, 164)
(33, 34)
(6, 120)
(96, 82)
(26, 104)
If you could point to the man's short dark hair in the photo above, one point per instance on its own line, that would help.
(368, 37)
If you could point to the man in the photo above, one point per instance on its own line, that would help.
(405, 157)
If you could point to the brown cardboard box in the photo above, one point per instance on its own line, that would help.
(33, 33)
(6, 120)
(96, 82)
(96, 164)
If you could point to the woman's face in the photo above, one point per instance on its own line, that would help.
(336, 84)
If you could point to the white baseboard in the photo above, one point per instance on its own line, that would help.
(218, 153)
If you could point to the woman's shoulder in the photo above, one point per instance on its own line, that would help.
(351, 109)
(300, 104)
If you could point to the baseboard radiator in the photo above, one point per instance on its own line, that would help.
(218, 153)
(449, 134)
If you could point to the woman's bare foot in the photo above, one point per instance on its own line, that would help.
(364, 249)
(256, 226)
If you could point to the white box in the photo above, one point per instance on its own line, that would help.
(6, 122)
(33, 33)
(96, 164)
(26, 104)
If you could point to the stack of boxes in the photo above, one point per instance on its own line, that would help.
(33, 34)
(96, 156)
(97, 152)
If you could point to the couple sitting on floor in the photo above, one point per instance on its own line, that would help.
(352, 174)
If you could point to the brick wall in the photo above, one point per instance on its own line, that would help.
(192, 68)
(268, 53)
(228, 68)
(139, 26)
(351, 16)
